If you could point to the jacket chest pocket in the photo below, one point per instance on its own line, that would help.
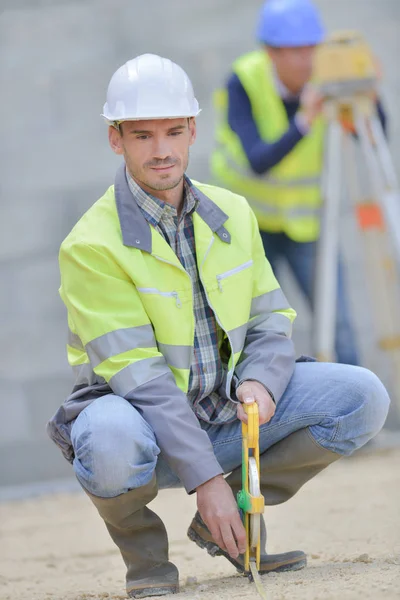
(157, 294)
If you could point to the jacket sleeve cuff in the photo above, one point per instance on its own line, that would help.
(274, 380)
(200, 472)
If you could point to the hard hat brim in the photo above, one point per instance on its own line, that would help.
(111, 121)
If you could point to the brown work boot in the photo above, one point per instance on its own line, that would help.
(142, 540)
(287, 561)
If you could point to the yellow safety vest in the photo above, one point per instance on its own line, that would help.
(129, 299)
(288, 197)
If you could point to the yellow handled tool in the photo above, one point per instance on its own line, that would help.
(250, 500)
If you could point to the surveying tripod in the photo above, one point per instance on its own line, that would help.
(346, 77)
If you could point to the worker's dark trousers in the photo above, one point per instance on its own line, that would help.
(300, 257)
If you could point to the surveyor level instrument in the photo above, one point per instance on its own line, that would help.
(250, 500)
(357, 162)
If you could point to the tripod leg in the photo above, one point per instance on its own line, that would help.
(390, 196)
(383, 151)
(382, 274)
(324, 319)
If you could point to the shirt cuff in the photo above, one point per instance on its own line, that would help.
(301, 123)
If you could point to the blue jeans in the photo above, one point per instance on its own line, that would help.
(301, 259)
(116, 450)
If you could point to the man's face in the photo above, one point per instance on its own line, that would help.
(156, 152)
(294, 65)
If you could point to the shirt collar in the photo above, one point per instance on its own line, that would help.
(135, 229)
(156, 210)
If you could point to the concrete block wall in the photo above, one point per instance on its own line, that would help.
(56, 58)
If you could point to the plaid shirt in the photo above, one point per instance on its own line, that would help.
(207, 370)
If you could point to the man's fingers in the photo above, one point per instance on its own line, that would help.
(245, 393)
(241, 415)
(262, 412)
(229, 540)
(266, 417)
(216, 534)
(266, 411)
(239, 533)
(249, 398)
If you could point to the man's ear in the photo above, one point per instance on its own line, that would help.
(192, 130)
(115, 140)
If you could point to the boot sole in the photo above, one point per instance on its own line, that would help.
(147, 592)
(214, 550)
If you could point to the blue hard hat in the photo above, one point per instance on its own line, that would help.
(290, 23)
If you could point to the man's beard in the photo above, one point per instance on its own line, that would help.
(159, 186)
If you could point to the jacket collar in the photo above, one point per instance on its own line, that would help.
(136, 231)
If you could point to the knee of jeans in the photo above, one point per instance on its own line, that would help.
(115, 451)
(366, 411)
(376, 401)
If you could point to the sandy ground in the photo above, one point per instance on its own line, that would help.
(347, 519)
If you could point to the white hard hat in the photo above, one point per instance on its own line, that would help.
(149, 87)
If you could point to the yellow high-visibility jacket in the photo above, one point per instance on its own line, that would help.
(130, 314)
(287, 198)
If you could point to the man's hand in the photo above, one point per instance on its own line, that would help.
(254, 391)
(218, 509)
(311, 103)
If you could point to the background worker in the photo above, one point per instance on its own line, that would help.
(270, 146)
(176, 319)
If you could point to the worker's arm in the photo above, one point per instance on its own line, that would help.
(261, 155)
(110, 319)
(268, 355)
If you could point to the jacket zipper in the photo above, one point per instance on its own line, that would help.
(223, 276)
